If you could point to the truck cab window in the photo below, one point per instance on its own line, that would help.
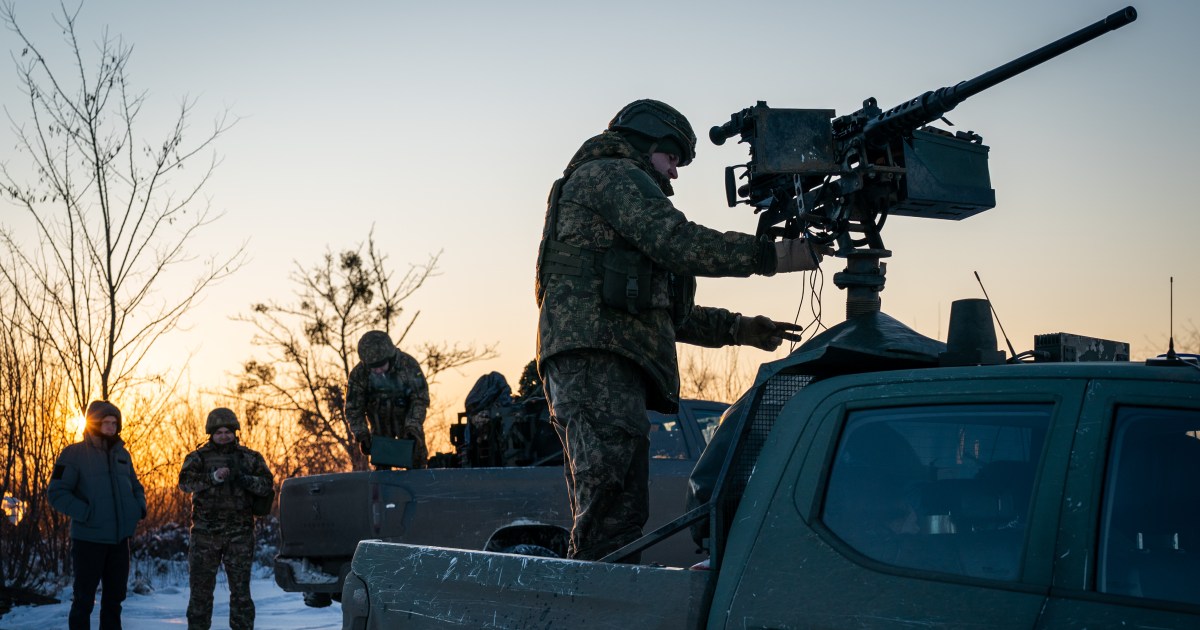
(942, 488)
(666, 439)
(1150, 526)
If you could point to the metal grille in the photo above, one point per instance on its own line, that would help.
(773, 395)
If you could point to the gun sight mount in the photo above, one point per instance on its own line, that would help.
(836, 180)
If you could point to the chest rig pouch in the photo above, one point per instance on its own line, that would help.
(389, 399)
(626, 284)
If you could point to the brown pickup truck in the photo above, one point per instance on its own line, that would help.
(520, 508)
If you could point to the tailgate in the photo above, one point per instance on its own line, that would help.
(324, 515)
(415, 586)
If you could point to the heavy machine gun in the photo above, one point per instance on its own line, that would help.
(836, 180)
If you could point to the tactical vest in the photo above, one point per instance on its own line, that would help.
(388, 401)
(625, 272)
(226, 499)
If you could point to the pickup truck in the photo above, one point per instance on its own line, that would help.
(323, 517)
(876, 479)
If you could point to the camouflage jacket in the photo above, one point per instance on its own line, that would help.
(224, 505)
(392, 401)
(613, 195)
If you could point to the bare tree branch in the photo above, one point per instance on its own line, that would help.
(311, 342)
(112, 212)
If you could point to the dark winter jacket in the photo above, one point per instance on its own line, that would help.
(95, 484)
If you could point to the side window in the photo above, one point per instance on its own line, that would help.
(666, 440)
(707, 420)
(942, 488)
(1150, 525)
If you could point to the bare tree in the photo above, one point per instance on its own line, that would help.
(93, 274)
(111, 211)
(712, 374)
(33, 542)
(311, 344)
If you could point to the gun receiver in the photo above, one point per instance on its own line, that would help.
(837, 179)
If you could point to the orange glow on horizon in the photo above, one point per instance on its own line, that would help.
(75, 426)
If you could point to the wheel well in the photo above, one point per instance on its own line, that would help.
(552, 537)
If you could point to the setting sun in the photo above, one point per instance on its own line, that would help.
(75, 426)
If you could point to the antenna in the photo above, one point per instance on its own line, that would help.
(1171, 356)
(1011, 352)
(1171, 359)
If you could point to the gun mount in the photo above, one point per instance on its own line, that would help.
(836, 180)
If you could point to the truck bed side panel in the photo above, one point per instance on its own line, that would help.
(431, 587)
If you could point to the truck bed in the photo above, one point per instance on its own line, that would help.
(417, 586)
(324, 516)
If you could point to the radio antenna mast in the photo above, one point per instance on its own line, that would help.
(1011, 352)
(1171, 356)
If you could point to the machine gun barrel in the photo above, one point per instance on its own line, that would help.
(933, 105)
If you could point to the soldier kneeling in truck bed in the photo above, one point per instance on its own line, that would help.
(499, 429)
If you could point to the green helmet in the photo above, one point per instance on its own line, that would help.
(221, 417)
(659, 122)
(376, 348)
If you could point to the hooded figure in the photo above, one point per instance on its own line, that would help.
(223, 478)
(95, 484)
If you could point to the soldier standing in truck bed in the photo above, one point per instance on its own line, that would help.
(388, 389)
(616, 285)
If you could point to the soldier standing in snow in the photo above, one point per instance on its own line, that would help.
(223, 477)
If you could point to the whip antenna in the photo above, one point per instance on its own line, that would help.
(1011, 352)
(1171, 356)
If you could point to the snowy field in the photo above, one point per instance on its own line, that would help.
(166, 608)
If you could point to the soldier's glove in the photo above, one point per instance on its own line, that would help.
(798, 254)
(763, 332)
(364, 443)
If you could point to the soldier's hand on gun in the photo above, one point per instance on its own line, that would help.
(763, 332)
(799, 254)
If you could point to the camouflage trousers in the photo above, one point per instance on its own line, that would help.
(205, 556)
(598, 403)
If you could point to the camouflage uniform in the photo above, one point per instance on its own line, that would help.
(604, 366)
(222, 527)
(394, 402)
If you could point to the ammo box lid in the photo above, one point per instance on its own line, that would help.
(386, 451)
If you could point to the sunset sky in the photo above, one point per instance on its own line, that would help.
(443, 124)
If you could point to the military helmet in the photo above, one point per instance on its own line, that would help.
(375, 348)
(221, 417)
(660, 122)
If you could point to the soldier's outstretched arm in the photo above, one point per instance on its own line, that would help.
(764, 333)
(707, 326)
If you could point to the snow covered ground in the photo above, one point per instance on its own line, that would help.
(166, 608)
